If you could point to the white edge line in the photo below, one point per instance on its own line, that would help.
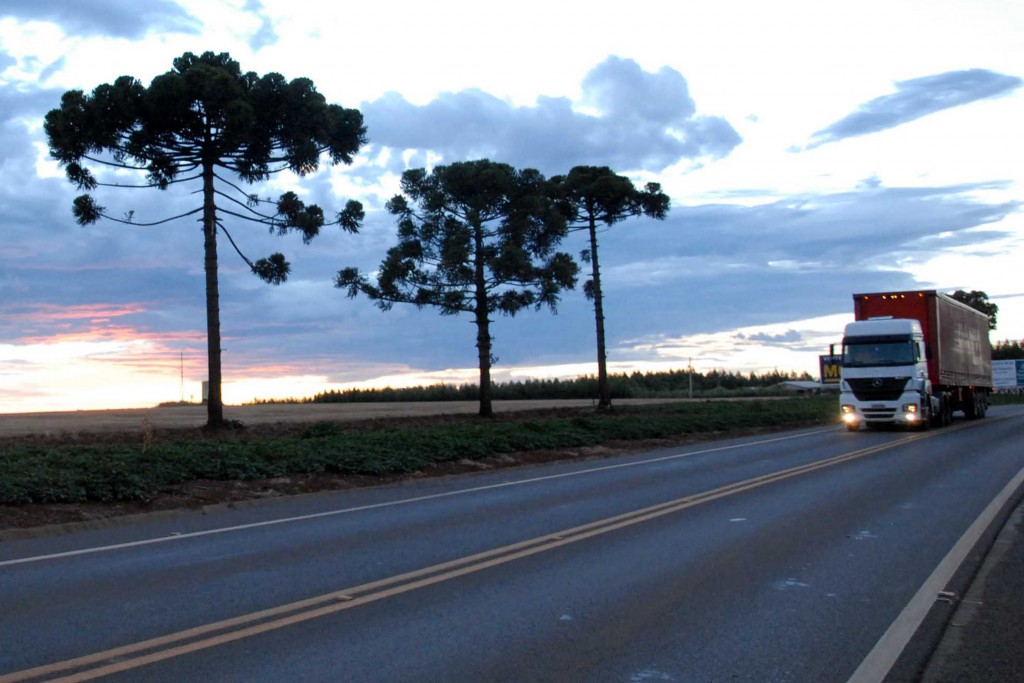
(890, 646)
(392, 503)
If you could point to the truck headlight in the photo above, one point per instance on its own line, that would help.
(910, 408)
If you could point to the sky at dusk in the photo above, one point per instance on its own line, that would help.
(811, 149)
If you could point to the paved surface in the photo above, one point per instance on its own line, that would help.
(984, 640)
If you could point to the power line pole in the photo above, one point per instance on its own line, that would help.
(689, 362)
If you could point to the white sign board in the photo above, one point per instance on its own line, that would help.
(1007, 373)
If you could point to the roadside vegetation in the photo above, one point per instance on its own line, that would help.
(1008, 350)
(669, 384)
(138, 468)
(1007, 398)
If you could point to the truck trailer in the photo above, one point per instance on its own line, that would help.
(913, 359)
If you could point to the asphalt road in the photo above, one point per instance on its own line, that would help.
(784, 557)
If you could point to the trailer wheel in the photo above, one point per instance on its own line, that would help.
(971, 406)
(977, 405)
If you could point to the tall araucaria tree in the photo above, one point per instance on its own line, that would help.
(205, 122)
(475, 237)
(600, 198)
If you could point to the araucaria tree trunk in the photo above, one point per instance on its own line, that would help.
(215, 403)
(483, 322)
(604, 398)
(483, 344)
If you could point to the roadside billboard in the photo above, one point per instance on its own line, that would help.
(1007, 373)
(830, 366)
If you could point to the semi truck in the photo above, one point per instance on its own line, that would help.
(913, 359)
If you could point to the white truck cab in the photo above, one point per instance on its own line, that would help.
(885, 375)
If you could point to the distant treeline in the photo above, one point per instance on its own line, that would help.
(671, 384)
(1008, 350)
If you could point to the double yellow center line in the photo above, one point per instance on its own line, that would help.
(218, 633)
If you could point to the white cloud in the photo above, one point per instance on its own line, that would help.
(916, 98)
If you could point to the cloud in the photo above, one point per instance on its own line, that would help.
(265, 35)
(708, 268)
(113, 18)
(916, 98)
(788, 337)
(644, 121)
(717, 267)
(26, 102)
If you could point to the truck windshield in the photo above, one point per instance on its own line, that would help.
(878, 353)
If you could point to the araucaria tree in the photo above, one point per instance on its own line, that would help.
(599, 198)
(207, 123)
(474, 237)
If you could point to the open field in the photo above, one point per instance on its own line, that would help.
(183, 417)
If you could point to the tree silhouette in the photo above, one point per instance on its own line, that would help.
(206, 122)
(598, 197)
(1008, 350)
(474, 237)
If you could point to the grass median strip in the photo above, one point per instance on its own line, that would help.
(134, 470)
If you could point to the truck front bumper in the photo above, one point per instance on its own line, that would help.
(907, 411)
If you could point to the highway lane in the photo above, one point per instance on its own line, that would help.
(490, 577)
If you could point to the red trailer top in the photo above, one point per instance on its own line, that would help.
(910, 305)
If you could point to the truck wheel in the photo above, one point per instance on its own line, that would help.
(971, 407)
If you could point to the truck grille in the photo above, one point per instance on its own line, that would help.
(886, 414)
(877, 388)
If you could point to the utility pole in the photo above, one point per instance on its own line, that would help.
(689, 374)
(182, 376)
